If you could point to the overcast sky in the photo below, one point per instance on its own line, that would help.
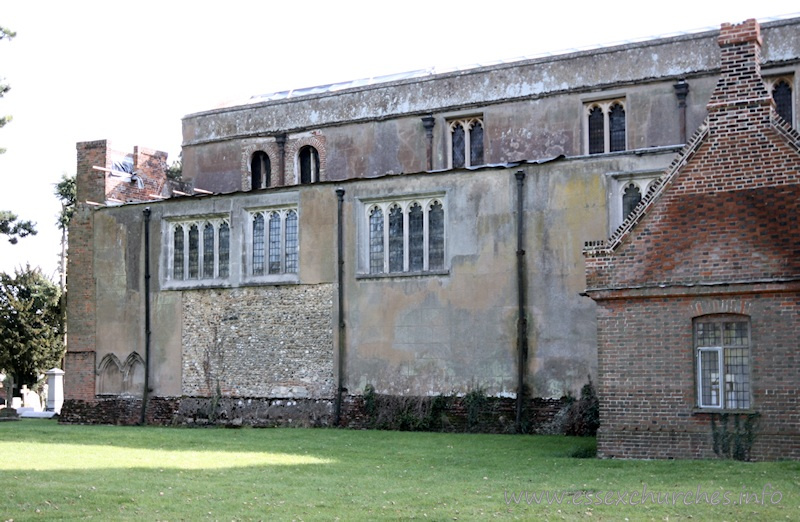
(128, 71)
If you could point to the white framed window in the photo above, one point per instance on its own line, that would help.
(605, 128)
(199, 249)
(272, 242)
(722, 347)
(404, 236)
(465, 146)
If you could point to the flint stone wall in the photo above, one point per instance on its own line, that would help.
(274, 342)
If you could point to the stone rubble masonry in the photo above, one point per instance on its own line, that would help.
(272, 342)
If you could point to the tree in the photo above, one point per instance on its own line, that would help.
(66, 192)
(9, 226)
(13, 228)
(4, 88)
(31, 325)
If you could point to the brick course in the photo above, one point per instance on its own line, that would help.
(719, 236)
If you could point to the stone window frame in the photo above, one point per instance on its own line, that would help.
(126, 372)
(737, 394)
(643, 180)
(604, 105)
(366, 251)
(772, 82)
(220, 272)
(288, 272)
(467, 123)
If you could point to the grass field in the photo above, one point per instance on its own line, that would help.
(51, 471)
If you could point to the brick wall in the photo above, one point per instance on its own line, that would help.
(719, 236)
(150, 167)
(647, 381)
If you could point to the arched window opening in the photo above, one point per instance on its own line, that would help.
(416, 238)
(208, 251)
(396, 239)
(376, 241)
(224, 250)
(274, 243)
(258, 244)
(476, 144)
(109, 378)
(177, 253)
(459, 146)
(436, 236)
(782, 94)
(630, 198)
(291, 244)
(309, 165)
(616, 126)
(260, 170)
(596, 131)
(194, 252)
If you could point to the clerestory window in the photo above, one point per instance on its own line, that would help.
(200, 250)
(605, 128)
(260, 170)
(405, 236)
(308, 159)
(274, 242)
(722, 347)
(466, 142)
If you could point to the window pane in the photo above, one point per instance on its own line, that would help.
(708, 334)
(630, 199)
(291, 242)
(224, 249)
(274, 243)
(709, 378)
(208, 251)
(376, 241)
(616, 126)
(177, 254)
(258, 245)
(782, 94)
(436, 236)
(396, 239)
(735, 334)
(194, 252)
(416, 238)
(476, 144)
(596, 134)
(737, 378)
(458, 146)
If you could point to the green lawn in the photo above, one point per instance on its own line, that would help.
(50, 471)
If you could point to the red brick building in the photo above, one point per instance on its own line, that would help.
(698, 292)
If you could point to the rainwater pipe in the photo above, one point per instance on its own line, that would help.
(142, 418)
(340, 311)
(522, 321)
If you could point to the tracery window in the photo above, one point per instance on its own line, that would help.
(274, 242)
(630, 198)
(605, 127)
(782, 94)
(411, 240)
(722, 346)
(200, 250)
(466, 142)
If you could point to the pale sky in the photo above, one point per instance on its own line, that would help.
(128, 71)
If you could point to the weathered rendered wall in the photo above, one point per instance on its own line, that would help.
(531, 109)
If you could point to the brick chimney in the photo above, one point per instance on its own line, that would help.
(740, 86)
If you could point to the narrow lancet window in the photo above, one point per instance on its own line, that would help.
(194, 252)
(396, 239)
(376, 241)
(630, 199)
(616, 125)
(459, 146)
(436, 236)
(291, 242)
(224, 250)
(596, 131)
(208, 251)
(782, 94)
(258, 244)
(416, 238)
(177, 253)
(476, 144)
(274, 243)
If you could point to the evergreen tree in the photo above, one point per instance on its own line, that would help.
(31, 325)
(9, 224)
